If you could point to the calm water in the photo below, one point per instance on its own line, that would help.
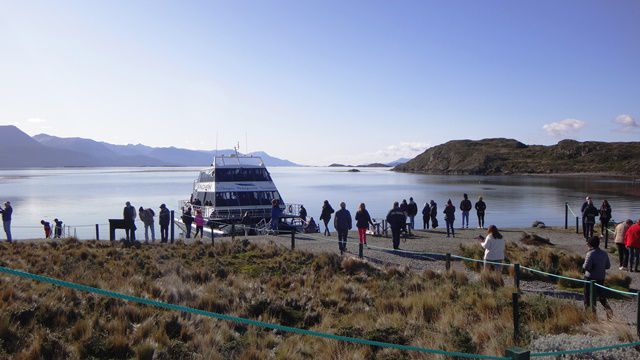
(91, 196)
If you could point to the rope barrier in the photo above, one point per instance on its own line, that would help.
(481, 261)
(191, 310)
(617, 291)
(554, 275)
(583, 351)
(570, 209)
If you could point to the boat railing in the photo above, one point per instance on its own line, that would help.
(212, 213)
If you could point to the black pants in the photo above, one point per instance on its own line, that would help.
(603, 225)
(342, 239)
(634, 257)
(395, 236)
(130, 230)
(623, 255)
(326, 227)
(199, 230)
(188, 226)
(598, 293)
(588, 230)
(481, 220)
(164, 232)
(450, 227)
(425, 222)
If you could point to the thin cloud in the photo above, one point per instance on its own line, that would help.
(626, 123)
(564, 127)
(36, 120)
(390, 153)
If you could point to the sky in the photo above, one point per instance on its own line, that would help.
(318, 82)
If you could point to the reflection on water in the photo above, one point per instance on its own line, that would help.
(90, 196)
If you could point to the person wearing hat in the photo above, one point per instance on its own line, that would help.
(129, 216)
(165, 219)
(6, 219)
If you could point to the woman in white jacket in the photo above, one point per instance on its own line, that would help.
(493, 246)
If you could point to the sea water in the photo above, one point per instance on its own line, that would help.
(84, 197)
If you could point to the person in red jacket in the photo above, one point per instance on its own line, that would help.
(632, 241)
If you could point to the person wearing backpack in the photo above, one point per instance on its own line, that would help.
(325, 216)
(434, 214)
(426, 214)
(465, 207)
(146, 216)
(164, 220)
(450, 217)
(481, 207)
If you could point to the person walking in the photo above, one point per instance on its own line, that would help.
(589, 217)
(618, 238)
(199, 220)
(632, 241)
(146, 216)
(450, 217)
(129, 215)
(325, 216)
(47, 229)
(404, 207)
(595, 265)
(396, 219)
(426, 214)
(481, 207)
(582, 208)
(57, 230)
(276, 212)
(493, 246)
(434, 214)
(187, 220)
(412, 211)
(342, 223)
(605, 216)
(6, 219)
(303, 213)
(465, 207)
(164, 219)
(363, 220)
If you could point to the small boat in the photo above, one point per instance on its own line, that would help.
(236, 190)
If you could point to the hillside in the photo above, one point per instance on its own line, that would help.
(510, 157)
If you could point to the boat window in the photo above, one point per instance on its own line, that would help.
(206, 177)
(246, 198)
(242, 174)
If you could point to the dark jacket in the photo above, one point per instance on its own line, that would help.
(165, 217)
(449, 213)
(481, 207)
(187, 218)
(326, 213)
(412, 209)
(426, 211)
(276, 212)
(596, 264)
(303, 213)
(465, 205)
(6, 213)
(363, 219)
(129, 213)
(342, 220)
(589, 214)
(396, 218)
(605, 213)
(434, 210)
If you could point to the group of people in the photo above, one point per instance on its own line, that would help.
(589, 213)
(57, 231)
(465, 207)
(147, 216)
(627, 239)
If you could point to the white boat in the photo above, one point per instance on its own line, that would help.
(236, 189)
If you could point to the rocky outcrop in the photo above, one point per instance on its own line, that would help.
(507, 156)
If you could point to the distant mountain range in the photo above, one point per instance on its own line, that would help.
(510, 157)
(374, 165)
(19, 150)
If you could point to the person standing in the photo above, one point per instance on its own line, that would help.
(434, 214)
(6, 219)
(618, 238)
(199, 220)
(493, 246)
(589, 217)
(481, 207)
(325, 216)
(632, 241)
(396, 219)
(342, 224)
(146, 216)
(465, 207)
(426, 214)
(412, 211)
(164, 219)
(129, 215)
(582, 208)
(47, 229)
(363, 219)
(57, 230)
(605, 216)
(276, 212)
(595, 265)
(303, 213)
(187, 219)
(450, 217)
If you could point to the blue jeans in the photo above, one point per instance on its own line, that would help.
(450, 228)
(7, 229)
(412, 222)
(465, 217)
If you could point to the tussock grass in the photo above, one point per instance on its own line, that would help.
(325, 292)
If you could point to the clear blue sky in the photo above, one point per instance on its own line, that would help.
(322, 81)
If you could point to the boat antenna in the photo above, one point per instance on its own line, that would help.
(246, 142)
(216, 153)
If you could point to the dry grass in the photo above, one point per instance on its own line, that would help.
(323, 292)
